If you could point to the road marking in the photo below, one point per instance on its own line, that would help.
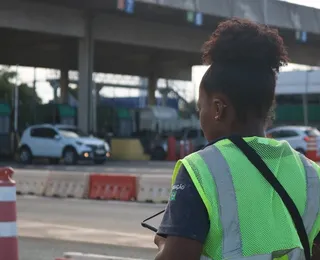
(38, 229)
(112, 202)
(87, 256)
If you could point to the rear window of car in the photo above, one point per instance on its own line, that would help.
(312, 132)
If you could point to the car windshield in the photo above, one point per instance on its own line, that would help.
(71, 132)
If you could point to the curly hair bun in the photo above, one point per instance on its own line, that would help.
(240, 41)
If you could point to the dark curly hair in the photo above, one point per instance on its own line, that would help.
(244, 59)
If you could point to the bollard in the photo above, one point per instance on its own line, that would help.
(171, 154)
(8, 216)
(312, 148)
(191, 148)
(182, 149)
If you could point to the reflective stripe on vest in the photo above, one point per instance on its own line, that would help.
(232, 241)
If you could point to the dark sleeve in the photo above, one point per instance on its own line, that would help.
(186, 215)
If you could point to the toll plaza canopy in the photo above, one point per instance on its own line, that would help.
(149, 38)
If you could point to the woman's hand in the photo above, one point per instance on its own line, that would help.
(159, 241)
(177, 248)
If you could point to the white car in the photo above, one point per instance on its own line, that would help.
(57, 142)
(296, 136)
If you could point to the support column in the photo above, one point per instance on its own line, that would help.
(64, 73)
(152, 86)
(85, 60)
(64, 85)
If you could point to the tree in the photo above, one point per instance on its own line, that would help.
(7, 86)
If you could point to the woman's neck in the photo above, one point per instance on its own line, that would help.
(253, 128)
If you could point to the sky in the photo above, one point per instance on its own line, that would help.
(45, 91)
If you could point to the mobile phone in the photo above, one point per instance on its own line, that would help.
(146, 225)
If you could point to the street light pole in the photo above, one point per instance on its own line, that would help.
(305, 99)
(265, 11)
(16, 102)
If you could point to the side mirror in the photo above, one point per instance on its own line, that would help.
(57, 137)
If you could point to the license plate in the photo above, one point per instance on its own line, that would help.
(100, 151)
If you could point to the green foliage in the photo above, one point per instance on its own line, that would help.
(7, 85)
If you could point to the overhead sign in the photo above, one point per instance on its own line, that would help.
(129, 6)
(199, 19)
(302, 36)
(126, 6)
(195, 18)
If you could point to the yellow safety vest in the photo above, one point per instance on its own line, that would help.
(248, 220)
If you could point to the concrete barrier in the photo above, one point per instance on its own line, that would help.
(31, 181)
(67, 185)
(154, 188)
(81, 256)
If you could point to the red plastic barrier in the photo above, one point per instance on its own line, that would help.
(8, 216)
(113, 187)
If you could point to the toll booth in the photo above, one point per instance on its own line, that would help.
(294, 114)
(118, 121)
(5, 133)
(57, 114)
(47, 113)
(125, 124)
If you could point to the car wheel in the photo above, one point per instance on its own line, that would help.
(25, 155)
(158, 154)
(70, 156)
(300, 150)
(54, 161)
(99, 161)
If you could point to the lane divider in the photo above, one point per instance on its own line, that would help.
(154, 188)
(113, 187)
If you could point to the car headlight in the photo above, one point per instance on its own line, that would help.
(106, 147)
(79, 143)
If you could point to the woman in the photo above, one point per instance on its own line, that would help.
(220, 206)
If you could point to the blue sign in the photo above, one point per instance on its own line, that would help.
(304, 36)
(199, 19)
(129, 6)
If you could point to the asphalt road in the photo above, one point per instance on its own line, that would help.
(117, 167)
(48, 227)
(50, 249)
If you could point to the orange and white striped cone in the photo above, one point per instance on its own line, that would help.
(8, 216)
(312, 148)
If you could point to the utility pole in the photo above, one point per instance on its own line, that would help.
(16, 102)
(265, 11)
(305, 102)
(34, 103)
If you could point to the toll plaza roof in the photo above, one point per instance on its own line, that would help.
(279, 13)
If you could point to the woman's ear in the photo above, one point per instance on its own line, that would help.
(219, 108)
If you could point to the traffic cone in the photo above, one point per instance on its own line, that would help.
(8, 216)
(312, 148)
